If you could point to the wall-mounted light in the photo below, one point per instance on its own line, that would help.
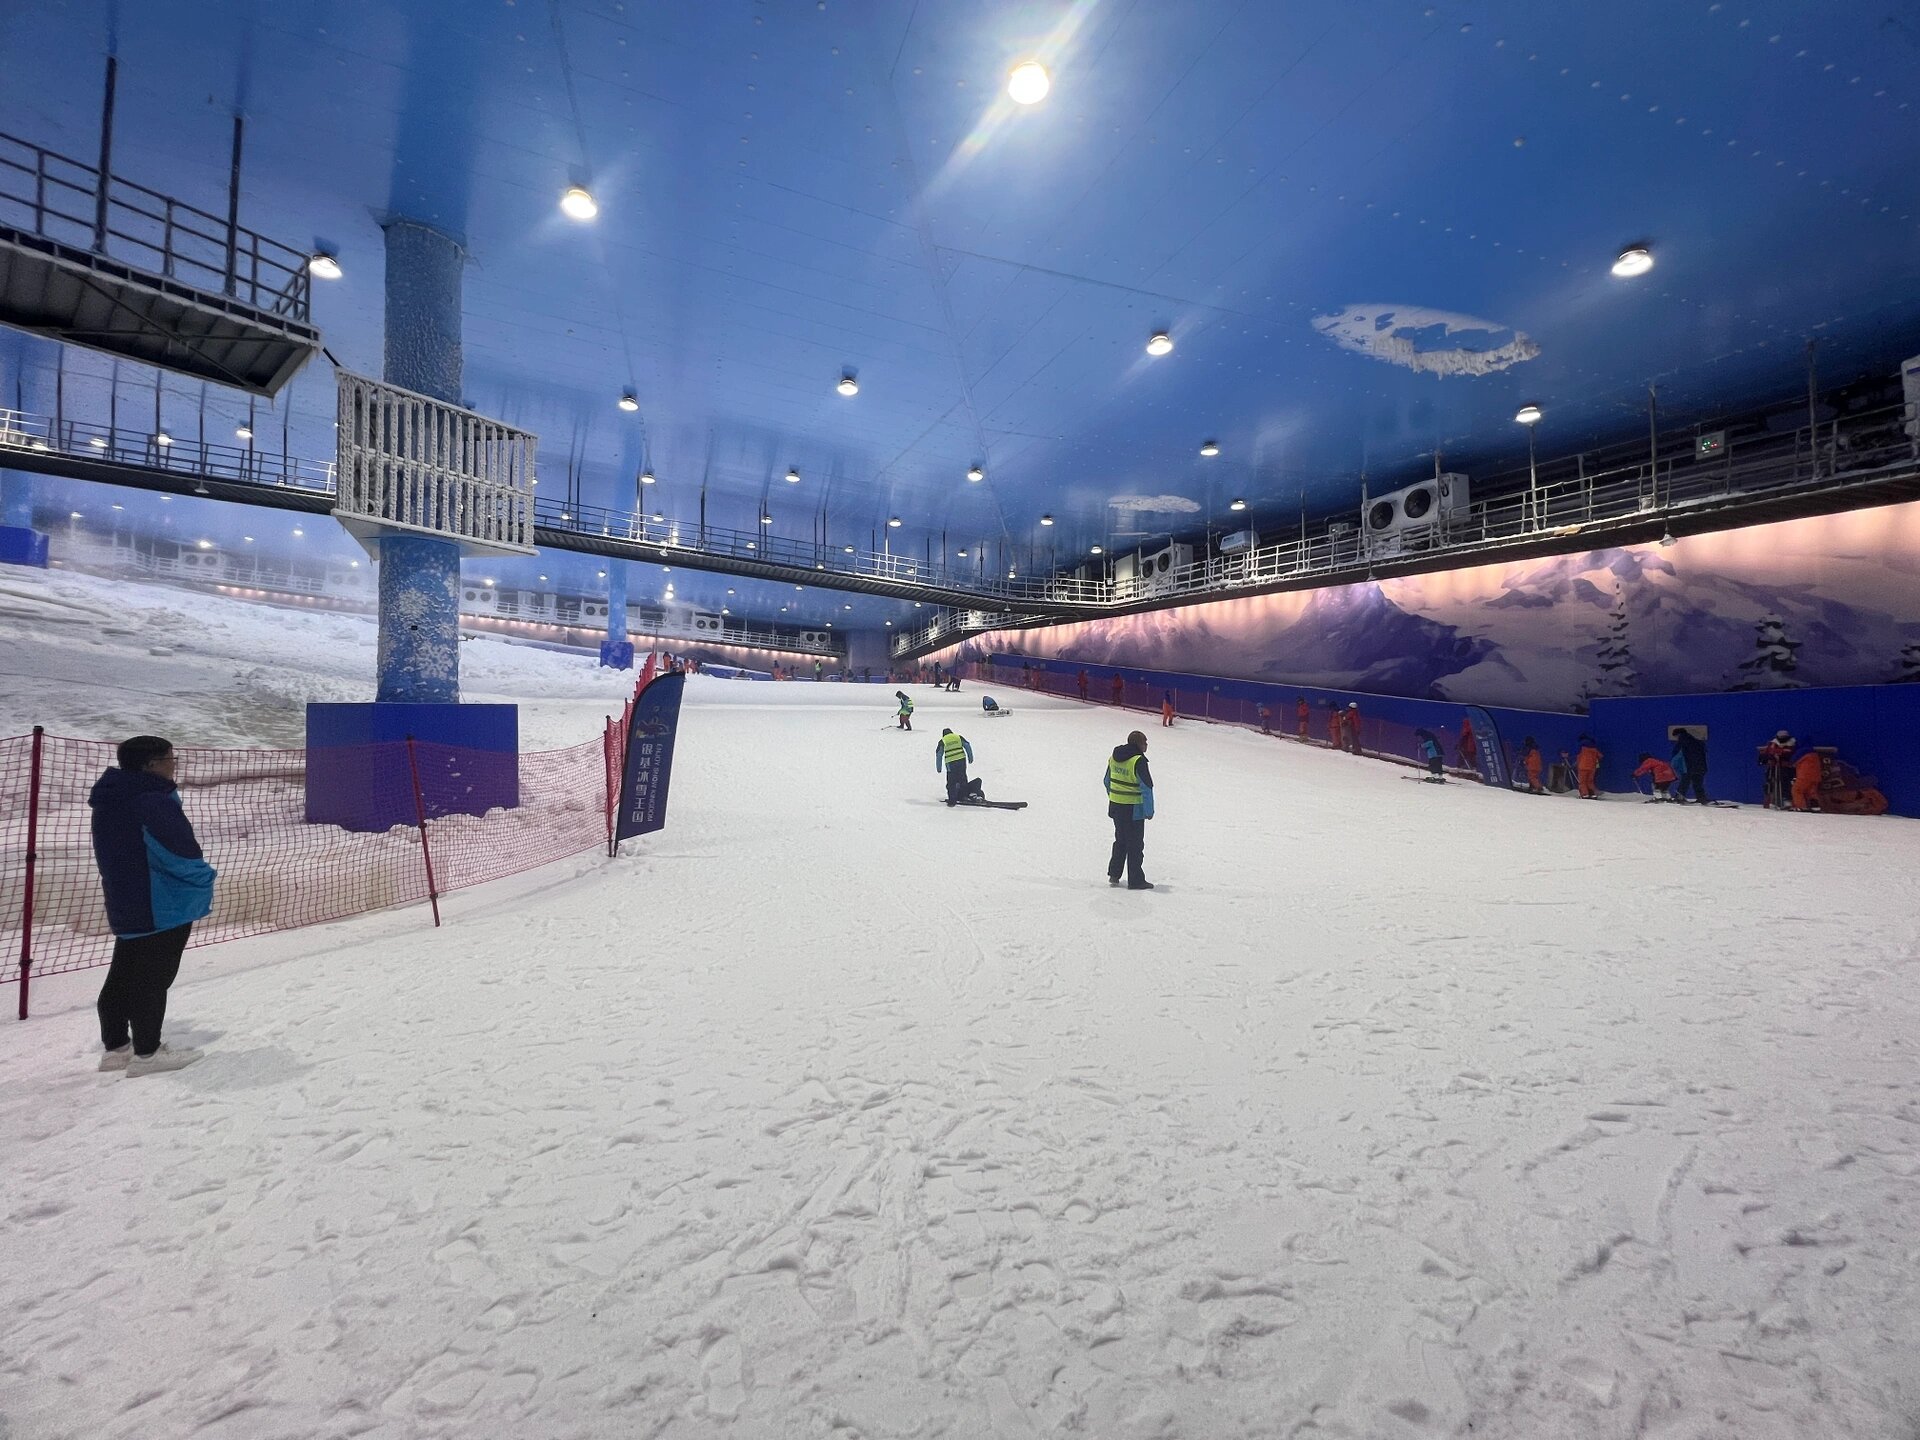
(1160, 343)
(629, 401)
(1094, 550)
(975, 474)
(577, 203)
(1046, 519)
(1210, 448)
(1528, 414)
(1632, 261)
(1238, 504)
(961, 553)
(323, 265)
(1666, 538)
(848, 549)
(243, 432)
(893, 522)
(646, 477)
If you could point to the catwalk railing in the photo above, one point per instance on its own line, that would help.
(1561, 498)
(67, 201)
(276, 871)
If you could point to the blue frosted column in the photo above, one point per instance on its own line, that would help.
(16, 499)
(420, 575)
(616, 651)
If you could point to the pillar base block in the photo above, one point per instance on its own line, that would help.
(616, 654)
(21, 546)
(357, 775)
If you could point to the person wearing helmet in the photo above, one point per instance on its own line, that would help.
(1776, 758)
(903, 719)
(1129, 786)
(1586, 764)
(1351, 729)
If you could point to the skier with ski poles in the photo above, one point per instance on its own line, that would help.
(903, 719)
(1662, 773)
(952, 752)
(1429, 751)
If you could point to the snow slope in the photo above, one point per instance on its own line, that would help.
(1400, 1111)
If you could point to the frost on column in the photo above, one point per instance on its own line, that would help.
(1773, 662)
(1617, 675)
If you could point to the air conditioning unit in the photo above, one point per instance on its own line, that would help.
(1238, 541)
(709, 623)
(1157, 571)
(816, 637)
(1418, 507)
(1125, 567)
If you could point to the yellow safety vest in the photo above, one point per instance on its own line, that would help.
(953, 748)
(1123, 780)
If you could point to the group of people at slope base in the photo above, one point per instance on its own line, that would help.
(157, 883)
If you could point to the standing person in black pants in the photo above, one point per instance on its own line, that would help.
(1690, 759)
(1129, 805)
(157, 884)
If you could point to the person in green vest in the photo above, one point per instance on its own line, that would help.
(952, 753)
(1129, 805)
(904, 719)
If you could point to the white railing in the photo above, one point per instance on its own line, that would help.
(410, 462)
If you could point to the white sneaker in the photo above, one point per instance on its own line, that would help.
(116, 1059)
(165, 1058)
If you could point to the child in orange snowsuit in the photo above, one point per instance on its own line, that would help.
(1586, 765)
(1530, 759)
(1807, 771)
(1301, 714)
(1333, 729)
(1663, 775)
(1166, 707)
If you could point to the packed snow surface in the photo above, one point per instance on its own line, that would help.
(1398, 1111)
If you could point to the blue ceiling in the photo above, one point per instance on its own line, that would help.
(793, 188)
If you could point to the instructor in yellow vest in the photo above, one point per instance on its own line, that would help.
(951, 753)
(1129, 805)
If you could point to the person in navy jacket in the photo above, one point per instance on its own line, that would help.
(157, 884)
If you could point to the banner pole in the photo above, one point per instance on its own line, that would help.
(426, 850)
(608, 774)
(26, 893)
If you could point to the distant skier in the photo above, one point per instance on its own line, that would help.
(1661, 773)
(1119, 688)
(818, 670)
(1690, 760)
(1351, 728)
(1531, 762)
(952, 752)
(1080, 683)
(1265, 714)
(953, 682)
(903, 720)
(1586, 764)
(1469, 749)
(1429, 751)
(1166, 708)
(1129, 805)
(1335, 726)
(1776, 758)
(1302, 717)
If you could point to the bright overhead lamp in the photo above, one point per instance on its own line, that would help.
(793, 476)
(1160, 343)
(975, 474)
(98, 442)
(848, 386)
(76, 515)
(1095, 550)
(243, 432)
(38, 445)
(893, 522)
(323, 265)
(730, 592)
(1046, 519)
(206, 544)
(1632, 261)
(162, 438)
(849, 607)
(1210, 448)
(543, 577)
(766, 519)
(658, 518)
(1528, 414)
(578, 204)
(961, 553)
(848, 549)
(1238, 504)
(1028, 83)
(646, 477)
(629, 401)
(298, 533)
(247, 538)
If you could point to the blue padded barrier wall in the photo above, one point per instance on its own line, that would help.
(1875, 728)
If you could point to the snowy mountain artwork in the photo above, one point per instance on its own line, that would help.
(1830, 600)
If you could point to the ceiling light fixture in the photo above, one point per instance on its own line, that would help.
(162, 438)
(629, 401)
(243, 432)
(1528, 414)
(893, 522)
(1210, 448)
(646, 477)
(98, 442)
(1046, 519)
(1094, 551)
(848, 386)
(578, 204)
(961, 553)
(1238, 504)
(975, 474)
(793, 476)
(1632, 261)
(766, 519)
(323, 265)
(1028, 82)
(848, 549)
(1160, 343)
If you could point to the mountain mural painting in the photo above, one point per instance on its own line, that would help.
(1832, 600)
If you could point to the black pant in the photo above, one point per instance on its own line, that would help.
(1129, 844)
(1696, 781)
(134, 994)
(958, 786)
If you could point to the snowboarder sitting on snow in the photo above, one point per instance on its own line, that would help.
(1662, 773)
(1586, 764)
(1776, 758)
(1429, 751)
(952, 752)
(1129, 805)
(1530, 762)
(904, 719)
(1690, 762)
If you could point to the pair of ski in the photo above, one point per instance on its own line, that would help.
(986, 804)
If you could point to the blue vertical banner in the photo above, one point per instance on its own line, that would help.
(1493, 755)
(649, 765)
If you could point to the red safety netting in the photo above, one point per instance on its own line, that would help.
(277, 871)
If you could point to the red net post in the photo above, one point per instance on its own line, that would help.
(426, 848)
